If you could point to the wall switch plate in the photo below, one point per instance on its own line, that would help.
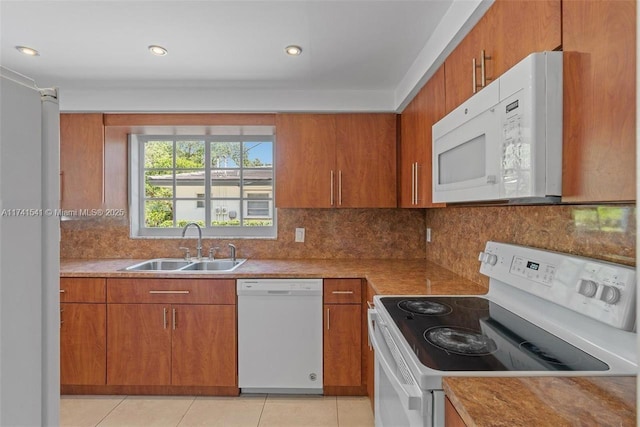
(300, 235)
(428, 235)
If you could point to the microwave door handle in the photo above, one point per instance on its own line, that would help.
(410, 394)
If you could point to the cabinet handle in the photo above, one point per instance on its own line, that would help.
(483, 58)
(416, 186)
(61, 187)
(342, 292)
(328, 321)
(164, 317)
(369, 304)
(474, 66)
(173, 319)
(340, 188)
(332, 179)
(62, 291)
(168, 292)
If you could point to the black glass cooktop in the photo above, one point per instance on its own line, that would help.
(474, 334)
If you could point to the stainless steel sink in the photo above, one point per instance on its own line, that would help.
(214, 265)
(178, 265)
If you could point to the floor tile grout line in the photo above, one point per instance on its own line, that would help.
(264, 403)
(185, 412)
(112, 409)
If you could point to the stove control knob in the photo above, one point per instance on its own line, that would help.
(610, 295)
(588, 288)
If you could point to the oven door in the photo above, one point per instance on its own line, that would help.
(398, 400)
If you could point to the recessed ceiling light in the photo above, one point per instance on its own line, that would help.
(25, 50)
(158, 50)
(293, 50)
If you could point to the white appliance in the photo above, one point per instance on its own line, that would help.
(546, 314)
(505, 142)
(29, 253)
(280, 335)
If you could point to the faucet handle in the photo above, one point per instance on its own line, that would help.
(212, 252)
(232, 249)
(187, 255)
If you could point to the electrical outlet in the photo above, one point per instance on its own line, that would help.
(428, 235)
(300, 235)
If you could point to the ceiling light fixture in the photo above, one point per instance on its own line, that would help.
(157, 50)
(293, 50)
(25, 50)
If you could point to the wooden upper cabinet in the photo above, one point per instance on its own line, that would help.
(366, 161)
(416, 143)
(599, 111)
(507, 33)
(81, 161)
(335, 160)
(305, 157)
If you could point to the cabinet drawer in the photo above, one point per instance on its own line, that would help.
(342, 291)
(82, 289)
(185, 291)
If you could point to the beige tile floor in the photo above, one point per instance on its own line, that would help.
(241, 411)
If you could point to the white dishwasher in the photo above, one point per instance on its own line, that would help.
(280, 335)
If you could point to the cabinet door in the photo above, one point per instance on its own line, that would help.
(342, 345)
(138, 344)
(305, 160)
(366, 161)
(599, 110)
(81, 161)
(204, 345)
(83, 344)
(417, 143)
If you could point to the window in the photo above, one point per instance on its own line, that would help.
(224, 183)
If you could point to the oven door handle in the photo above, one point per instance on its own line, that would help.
(405, 385)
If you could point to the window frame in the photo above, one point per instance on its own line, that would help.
(137, 188)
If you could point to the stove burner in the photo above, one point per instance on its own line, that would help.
(424, 308)
(466, 342)
(549, 356)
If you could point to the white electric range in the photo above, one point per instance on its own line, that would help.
(546, 313)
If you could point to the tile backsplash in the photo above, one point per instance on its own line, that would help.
(330, 233)
(458, 234)
(606, 232)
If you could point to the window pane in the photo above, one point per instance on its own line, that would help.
(225, 213)
(258, 213)
(158, 213)
(190, 154)
(258, 182)
(225, 183)
(187, 211)
(189, 184)
(158, 154)
(158, 184)
(225, 155)
(258, 154)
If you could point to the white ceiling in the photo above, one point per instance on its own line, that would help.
(229, 55)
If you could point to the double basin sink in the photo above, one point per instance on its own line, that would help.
(181, 265)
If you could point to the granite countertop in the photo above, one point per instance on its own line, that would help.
(543, 401)
(489, 401)
(389, 277)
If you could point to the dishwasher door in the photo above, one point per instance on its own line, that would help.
(280, 335)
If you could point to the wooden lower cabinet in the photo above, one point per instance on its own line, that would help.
(342, 336)
(451, 416)
(83, 331)
(83, 358)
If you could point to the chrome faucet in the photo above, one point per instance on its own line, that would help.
(232, 248)
(199, 247)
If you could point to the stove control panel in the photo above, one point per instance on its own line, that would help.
(598, 289)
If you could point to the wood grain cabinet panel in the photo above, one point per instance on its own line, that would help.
(451, 416)
(342, 291)
(508, 32)
(342, 345)
(83, 344)
(83, 289)
(168, 291)
(416, 143)
(81, 161)
(335, 160)
(599, 111)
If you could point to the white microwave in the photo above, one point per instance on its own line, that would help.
(505, 142)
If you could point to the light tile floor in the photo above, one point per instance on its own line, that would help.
(241, 411)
